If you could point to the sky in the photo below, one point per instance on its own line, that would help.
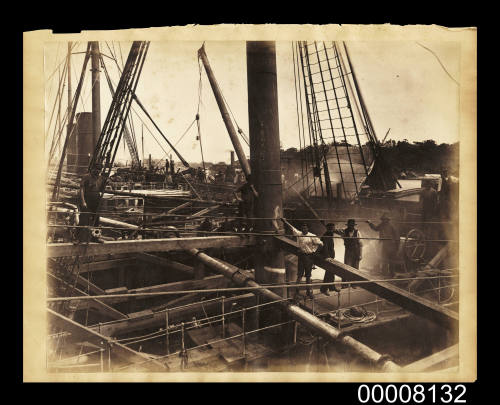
(405, 88)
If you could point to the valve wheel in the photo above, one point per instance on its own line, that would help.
(414, 246)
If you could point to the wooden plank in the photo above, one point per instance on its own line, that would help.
(83, 282)
(106, 264)
(122, 351)
(207, 282)
(163, 261)
(147, 245)
(175, 315)
(94, 289)
(217, 281)
(96, 304)
(411, 302)
(202, 212)
(444, 359)
(176, 302)
(179, 207)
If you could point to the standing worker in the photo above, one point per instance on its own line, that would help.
(444, 195)
(89, 197)
(352, 243)
(389, 243)
(246, 205)
(308, 246)
(328, 252)
(429, 200)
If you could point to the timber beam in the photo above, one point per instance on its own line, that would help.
(123, 352)
(411, 302)
(203, 212)
(147, 245)
(436, 362)
(175, 315)
(217, 281)
(106, 264)
(163, 261)
(96, 304)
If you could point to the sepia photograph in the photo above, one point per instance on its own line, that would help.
(236, 204)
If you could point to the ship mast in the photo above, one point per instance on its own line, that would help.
(96, 93)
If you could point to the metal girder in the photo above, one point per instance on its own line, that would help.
(147, 245)
(411, 302)
(122, 351)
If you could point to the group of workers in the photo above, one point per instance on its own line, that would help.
(434, 205)
(310, 245)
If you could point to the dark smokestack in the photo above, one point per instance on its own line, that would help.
(232, 158)
(84, 140)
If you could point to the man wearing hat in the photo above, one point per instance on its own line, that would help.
(328, 252)
(308, 245)
(389, 243)
(352, 243)
(90, 189)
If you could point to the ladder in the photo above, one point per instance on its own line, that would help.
(342, 143)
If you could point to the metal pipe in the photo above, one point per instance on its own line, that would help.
(224, 112)
(239, 277)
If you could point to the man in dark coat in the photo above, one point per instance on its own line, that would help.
(89, 198)
(352, 243)
(328, 252)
